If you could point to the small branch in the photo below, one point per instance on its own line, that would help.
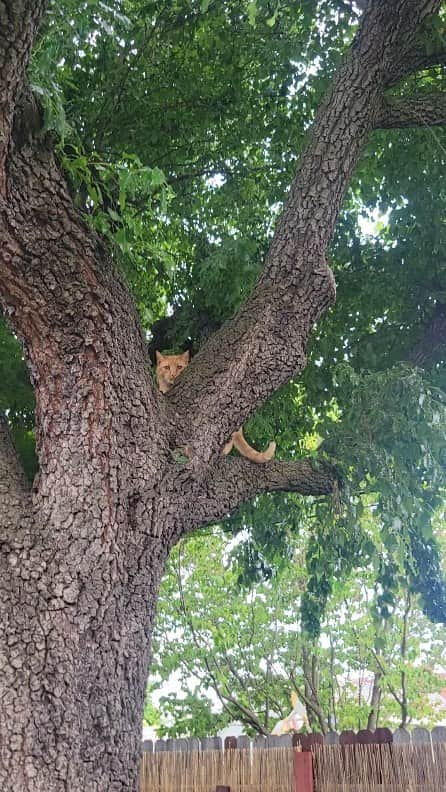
(414, 111)
(404, 702)
(311, 704)
(234, 480)
(249, 716)
(381, 668)
(14, 492)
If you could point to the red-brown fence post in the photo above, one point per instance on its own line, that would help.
(222, 789)
(303, 771)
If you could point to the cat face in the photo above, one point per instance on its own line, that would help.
(168, 368)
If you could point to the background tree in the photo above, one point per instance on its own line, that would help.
(228, 654)
(83, 551)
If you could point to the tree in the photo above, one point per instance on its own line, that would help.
(83, 551)
(237, 655)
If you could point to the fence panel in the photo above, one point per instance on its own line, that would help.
(269, 770)
(380, 767)
(364, 762)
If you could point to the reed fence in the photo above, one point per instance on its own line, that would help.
(348, 762)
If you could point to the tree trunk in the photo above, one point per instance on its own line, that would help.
(79, 580)
(372, 720)
(74, 666)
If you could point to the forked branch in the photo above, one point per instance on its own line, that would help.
(264, 345)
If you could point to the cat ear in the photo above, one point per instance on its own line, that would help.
(186, 356)
(159, 356)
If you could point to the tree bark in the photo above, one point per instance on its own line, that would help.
(423, 110)
(82, 554)
(14, 494)
(430, 348)
(316, 715)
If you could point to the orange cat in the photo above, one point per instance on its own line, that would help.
(168, 368)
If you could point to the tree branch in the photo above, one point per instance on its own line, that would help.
(19, 20)
(264, 345)
(249, 716)
(415, 60)
(311, 704)
(233, 480)
(14, 492)
(413, 111)
(431, 345)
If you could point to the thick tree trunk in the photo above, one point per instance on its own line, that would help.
(81, 560)
(75, 658)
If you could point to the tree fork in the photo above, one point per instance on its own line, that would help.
(296, 285)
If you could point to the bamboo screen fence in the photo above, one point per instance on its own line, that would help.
(241, 770)
(365, 762)
(379, 768)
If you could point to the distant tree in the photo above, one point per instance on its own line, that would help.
(234, 654)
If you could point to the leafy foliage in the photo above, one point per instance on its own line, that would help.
(221, 655)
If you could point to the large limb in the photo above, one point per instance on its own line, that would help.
(412, 111)
(415, 59)
(265, 343)
(231, 481)
(19, 20)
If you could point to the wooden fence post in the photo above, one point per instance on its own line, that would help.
(303, 771)
(223, 789)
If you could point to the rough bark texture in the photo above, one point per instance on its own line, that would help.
(82, 554)
(14, 494)
(231, 481)
(427, 109)
(18, 23)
